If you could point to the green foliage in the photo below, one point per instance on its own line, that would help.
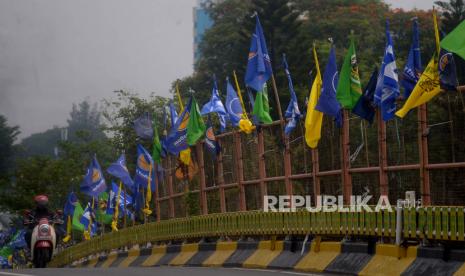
(8, 136)
(84, 117)
(42, 143)
(292, 27)
(192, 203)
(84, 125)
(54, 177)
(452, 14)
(120, 115)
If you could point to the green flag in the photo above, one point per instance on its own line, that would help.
(76, 217)
(6, 251)
(455, 40)
(195, 127)
(349, 89)
(102, 217)
(261, 107)
(156, 152)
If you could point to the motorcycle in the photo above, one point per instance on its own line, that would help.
(43, 239)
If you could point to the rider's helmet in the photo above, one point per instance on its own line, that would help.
(41, 201)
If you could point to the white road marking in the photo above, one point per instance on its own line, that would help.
(14, 274)
(298, 273)
(275, 271)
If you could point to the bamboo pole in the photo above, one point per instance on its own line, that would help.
(346, 178)
(382, 155)
(220, 174)
(315, 171)
(423, 151)
(239, 170)
(203, 193)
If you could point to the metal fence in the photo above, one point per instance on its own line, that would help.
(433, 223)
(424, 152)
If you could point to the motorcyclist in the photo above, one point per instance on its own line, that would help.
(32, 217)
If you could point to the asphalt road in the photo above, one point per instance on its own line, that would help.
(146, 271)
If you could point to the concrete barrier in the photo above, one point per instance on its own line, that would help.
(348, 258)
(353, 258)
(290, 255)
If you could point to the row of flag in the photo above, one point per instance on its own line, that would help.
(330, 94)
(118, 201)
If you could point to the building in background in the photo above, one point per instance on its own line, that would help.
(201, 23)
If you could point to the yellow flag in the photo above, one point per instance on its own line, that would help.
(148, 197)
(114, 223)
(68, 230)
(185, 156)
(245, 125)
(314, 118)
(428, 86)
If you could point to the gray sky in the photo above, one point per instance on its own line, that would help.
(57, 52)
(410, 4)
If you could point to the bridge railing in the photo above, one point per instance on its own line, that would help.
(433, 223)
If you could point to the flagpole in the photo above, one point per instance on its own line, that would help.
(278, 103)
(239, 93)
(179, 96)
(124, 212)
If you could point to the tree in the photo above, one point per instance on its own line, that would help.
(119, 118)
(292, 27)
(53, 177)
(8, 135)
(453, 13)
(42, 143)
(84, 125)
(85, 117)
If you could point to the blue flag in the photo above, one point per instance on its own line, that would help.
(365, 107)
(70, 204)
(210, 140)
(447, 70)
(139, 200)
(128, 213)
(93, 229)
(292, 112)
(327, 103)
(173, 114)
(215, 106)
(223, 121)
(259, 64)
(233, 105)
(143, 126)
(143, 167)
(18, 241)
(112, 199)
(387, 86)
(176, 140)
(413, 67)
(93, 183)
(87, 216)
(120, 170)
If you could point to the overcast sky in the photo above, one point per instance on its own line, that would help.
(54, 53)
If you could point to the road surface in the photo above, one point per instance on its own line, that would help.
(146, 271)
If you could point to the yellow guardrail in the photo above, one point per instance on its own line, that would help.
(435, 223)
